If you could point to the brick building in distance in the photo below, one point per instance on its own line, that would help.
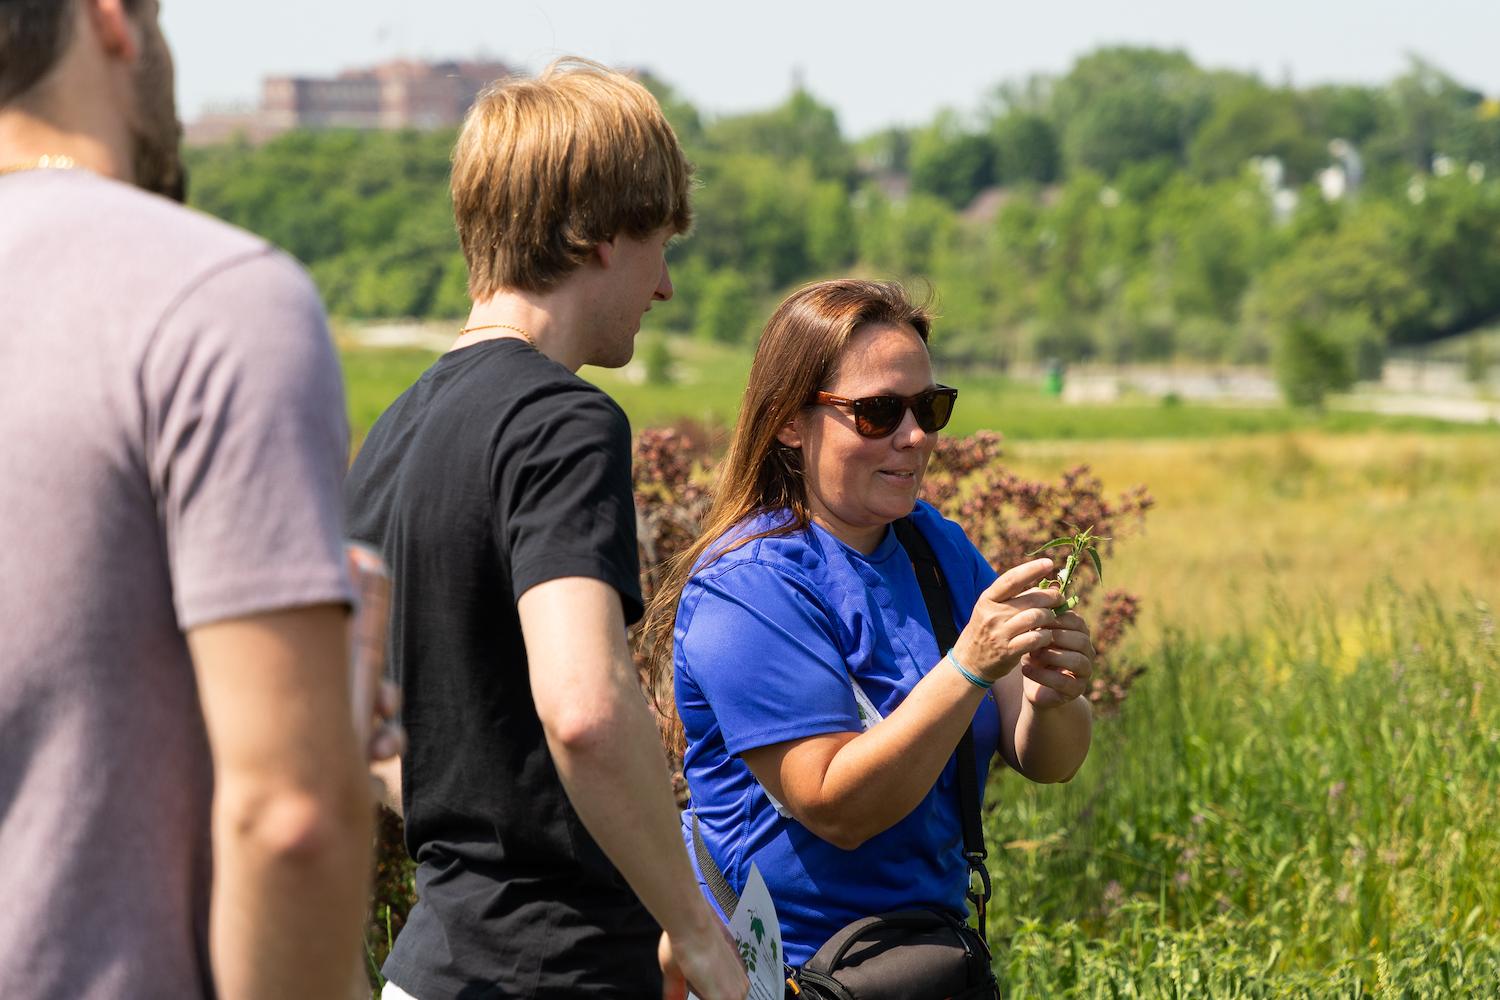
(394, 95)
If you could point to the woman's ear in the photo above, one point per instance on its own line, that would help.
(790, 435)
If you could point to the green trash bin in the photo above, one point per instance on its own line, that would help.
(1052, 382)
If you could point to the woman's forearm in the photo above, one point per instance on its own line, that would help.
(846, 788)
(1051, 743)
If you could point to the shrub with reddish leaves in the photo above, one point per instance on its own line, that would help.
(1005, 515)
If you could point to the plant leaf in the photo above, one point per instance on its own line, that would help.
(1094, 558)
(1051, 545)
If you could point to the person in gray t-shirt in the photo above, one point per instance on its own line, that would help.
(183, 807)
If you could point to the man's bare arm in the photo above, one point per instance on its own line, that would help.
(608, 754)
(292, 812)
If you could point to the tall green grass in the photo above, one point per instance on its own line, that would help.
(1309, 811)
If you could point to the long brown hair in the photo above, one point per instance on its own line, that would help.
(798, 355)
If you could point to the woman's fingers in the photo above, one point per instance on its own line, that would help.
(1065, 684)
(1078, 642)
(1028, 640)
(1072, 621)
(1014, 582)
(1076, 663)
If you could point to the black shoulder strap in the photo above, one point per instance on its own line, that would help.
(940, 610)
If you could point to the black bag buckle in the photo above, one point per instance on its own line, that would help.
(979, 888)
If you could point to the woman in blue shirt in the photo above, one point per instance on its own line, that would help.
(820, 717)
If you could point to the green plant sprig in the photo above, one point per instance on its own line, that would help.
(1080, 544)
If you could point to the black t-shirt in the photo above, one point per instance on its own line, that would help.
(498, 470)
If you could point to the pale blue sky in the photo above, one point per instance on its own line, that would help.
(877, 62)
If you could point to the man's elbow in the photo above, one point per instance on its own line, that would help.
(295, 826)
(582, 730)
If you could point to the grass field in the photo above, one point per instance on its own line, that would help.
(1244, 524)
(1308, 810)
(1298, 799)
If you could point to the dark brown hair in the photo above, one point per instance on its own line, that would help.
(33, 36)
(547, 169)
(798, 354)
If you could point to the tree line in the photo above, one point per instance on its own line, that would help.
(1137, 208)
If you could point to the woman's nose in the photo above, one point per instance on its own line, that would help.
(908, 433)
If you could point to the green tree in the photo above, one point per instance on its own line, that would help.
(799, 129)
(1025, 149)
(1452, 240)
(657, 359)
(1428, 110)
(1313, 360)
(680, 113)
(689, 277)
(1344, 292)
(752, 216)
(726, 309)
(900, 238)
(1344, 111)
(887, 151)
(1258, 121)
(832, 241)
(1478, 136)
(1123, 105)
(951, 162)
(1208, 243)
(450, 300)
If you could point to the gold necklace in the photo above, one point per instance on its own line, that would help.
(499, 326)
(50, 161)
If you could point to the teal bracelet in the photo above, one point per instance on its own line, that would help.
(972, 678)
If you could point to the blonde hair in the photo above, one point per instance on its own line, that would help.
(546, 169)
(798, 354)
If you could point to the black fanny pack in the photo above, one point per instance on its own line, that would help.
(917, 954)
(905, 954)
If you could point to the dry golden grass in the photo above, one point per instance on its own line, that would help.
(1313, 517)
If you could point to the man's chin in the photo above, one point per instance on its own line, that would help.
(614, 360)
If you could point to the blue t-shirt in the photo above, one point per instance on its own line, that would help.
(767, 638)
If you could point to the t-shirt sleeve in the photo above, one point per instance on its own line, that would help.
(566, 504)
(247, 442)
(764, 653)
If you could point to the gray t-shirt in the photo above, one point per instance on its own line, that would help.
(174, 441)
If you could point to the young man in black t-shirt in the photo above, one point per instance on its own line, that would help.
(498, 489)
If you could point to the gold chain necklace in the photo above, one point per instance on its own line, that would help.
(499, 326)
(50, 161)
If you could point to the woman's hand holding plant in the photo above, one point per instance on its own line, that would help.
(1060, 671)
(1010, 620)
